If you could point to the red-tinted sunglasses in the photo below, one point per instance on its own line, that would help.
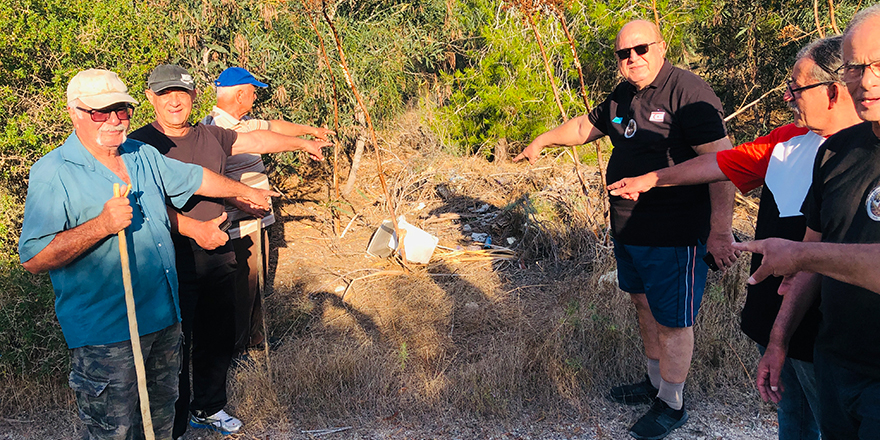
(103, 115)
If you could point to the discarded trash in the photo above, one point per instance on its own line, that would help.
(488, 243)
(417, 244)
(479, 237)
(466, 228)
(511, 240)
(609, 278)
(482, 209)
(383, 242)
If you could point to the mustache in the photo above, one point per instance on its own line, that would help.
(113, 128)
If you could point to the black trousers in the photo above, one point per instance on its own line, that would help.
(251, 253)
(207, 306)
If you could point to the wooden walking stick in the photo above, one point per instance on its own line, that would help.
(133, 328)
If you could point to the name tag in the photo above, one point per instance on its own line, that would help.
(657, 116)
(617, 120)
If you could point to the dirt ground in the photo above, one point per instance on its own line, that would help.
(416, 332)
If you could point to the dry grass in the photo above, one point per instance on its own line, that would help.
(469, 333)
(358, 341)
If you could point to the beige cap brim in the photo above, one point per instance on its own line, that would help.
(105, 100)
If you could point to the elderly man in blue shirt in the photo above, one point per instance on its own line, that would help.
(70, 229)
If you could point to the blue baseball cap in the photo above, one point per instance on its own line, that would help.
(235, 76)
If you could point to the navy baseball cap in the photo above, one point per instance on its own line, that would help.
(235, 76)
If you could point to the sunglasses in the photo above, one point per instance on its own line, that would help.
(103, 115)
(641, 49)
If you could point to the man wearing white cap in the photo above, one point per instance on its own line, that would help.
(70, 228)
(236, 93)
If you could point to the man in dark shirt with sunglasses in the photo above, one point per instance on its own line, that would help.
(660, 116)
(782, 162)
(70, 226)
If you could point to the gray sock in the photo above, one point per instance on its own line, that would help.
(671, 393)
(654, 372)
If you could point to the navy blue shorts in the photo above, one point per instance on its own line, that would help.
(672, 278)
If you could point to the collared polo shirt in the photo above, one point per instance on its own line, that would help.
(654, 128)
(240, 163)
(246, 168)
(69, 187)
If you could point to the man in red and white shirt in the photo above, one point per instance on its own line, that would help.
(782, 162)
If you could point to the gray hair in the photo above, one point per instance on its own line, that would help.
(826, 55)
(860, 17)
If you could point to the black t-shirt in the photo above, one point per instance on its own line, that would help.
(204, 145)
(763, 300)
(844, 205)
(654, 128)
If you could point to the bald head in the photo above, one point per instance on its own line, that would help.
(641, 27)
(236, 100)
(640, 51)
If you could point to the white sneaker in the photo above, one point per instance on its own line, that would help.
(219, 421)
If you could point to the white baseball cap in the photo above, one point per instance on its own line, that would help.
(98, 88)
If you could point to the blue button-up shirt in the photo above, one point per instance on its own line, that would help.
(69, 187)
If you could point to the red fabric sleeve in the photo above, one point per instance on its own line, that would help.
(746, 164)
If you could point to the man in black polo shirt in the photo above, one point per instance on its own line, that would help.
(843, 206)
(658, 117)
(782, 162)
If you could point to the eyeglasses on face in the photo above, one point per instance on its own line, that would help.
(641, 49)
(123, 113)
(792, 90)
(854, 72)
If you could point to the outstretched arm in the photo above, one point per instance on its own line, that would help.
(845, 262)
(699, 170)
(291, 129)
(266, 142)
(208, 234)
(577, 131)
(215, 185)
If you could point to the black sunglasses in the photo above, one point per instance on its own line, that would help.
(641, 49)
(103, 115)
(793, 90)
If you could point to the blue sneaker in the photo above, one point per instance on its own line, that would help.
(219, 421)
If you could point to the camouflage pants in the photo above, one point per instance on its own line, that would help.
(104, 381)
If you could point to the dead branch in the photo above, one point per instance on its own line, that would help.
(388, 201)
(746, 107)
(833, 19)
(335, 118)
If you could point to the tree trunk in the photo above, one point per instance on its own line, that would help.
(355, 164)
